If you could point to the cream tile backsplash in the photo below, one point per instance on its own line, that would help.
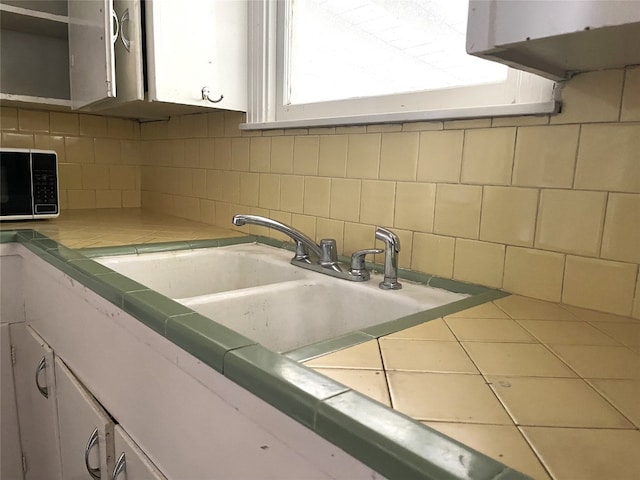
(99, 158)
(547, 207)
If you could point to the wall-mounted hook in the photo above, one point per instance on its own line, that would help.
(205, 95)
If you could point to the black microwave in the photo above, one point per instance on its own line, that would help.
(28, 184)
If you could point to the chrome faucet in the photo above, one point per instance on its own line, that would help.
(322, 258)
(391, 249)
(303, 243)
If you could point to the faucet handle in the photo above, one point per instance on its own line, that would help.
(358, 268)
(329, 250)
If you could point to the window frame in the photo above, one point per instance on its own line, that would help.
(521, 94)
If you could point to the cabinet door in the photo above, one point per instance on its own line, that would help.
(128, 52)
(86, 430)
(10, 452)
(194, 44)
(131, 462)
(92, 35)
(35, 394)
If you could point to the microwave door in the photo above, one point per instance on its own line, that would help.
(15, 185)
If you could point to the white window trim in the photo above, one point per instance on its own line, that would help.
(522, 94)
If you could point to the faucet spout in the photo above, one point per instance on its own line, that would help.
(391, 249)
(304, 243)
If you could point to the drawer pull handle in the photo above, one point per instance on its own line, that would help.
(121, 466)
(93, 441)
(41, 366)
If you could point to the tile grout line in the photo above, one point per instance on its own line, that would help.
(384, 371)
(495, 395)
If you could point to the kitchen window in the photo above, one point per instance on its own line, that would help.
(341, 62)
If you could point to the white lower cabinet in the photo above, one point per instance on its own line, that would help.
(131, 462)
(34, 378)
(64, 432)
(10, 453)
(92, 445)
(86, 430)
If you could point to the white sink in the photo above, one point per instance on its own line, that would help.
(187, 273)
(255, 291)
(290, 315)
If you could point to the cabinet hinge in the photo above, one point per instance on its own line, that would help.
(24, 464)
(13, 355)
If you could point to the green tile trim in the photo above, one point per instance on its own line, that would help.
(205, 339)
(114, 286)
(28, 234)
(55, 261)
(456, 286)
(397, 446)
(272, 242)
(288, 386)
(161, 247)
(8, 236)
(88, 266)
(224, 242)
(108, 251)
(195, 244)
(327, 346)
(45, 243)
(66, 254)
(142, 248)
(152, 309)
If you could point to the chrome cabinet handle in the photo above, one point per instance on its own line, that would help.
(92, 442)
(43, 390)
(114, 17)
(121, 466)
(125, 19)
(205, 95)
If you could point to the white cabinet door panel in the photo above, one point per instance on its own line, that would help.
(79, 414)
(92, 34)
(194, 44)
(132, 463)
(37, 413)
(10, 452)
(128, 51)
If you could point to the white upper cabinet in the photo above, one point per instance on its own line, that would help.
(93, 30)
(195, 46)
(130, 58)
(128, 51)
(555, 38)
(105, 53)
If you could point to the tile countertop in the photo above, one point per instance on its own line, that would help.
(120, 226)
(550, 390)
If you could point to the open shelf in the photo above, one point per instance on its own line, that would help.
(33, 21)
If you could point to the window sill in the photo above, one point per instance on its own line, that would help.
(542, 108)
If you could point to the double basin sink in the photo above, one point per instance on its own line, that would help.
(255, 291)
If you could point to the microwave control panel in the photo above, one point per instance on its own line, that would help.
(45, 183)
